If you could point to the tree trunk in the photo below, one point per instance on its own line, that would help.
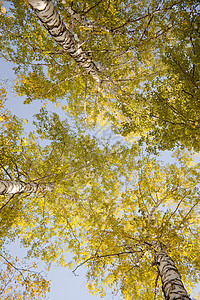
(48, 15)
(172, 285)
(15, 187)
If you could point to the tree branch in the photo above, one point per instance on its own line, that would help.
(97, 257)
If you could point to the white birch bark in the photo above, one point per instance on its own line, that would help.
(172, 284)
(15, 187)
(48, 15)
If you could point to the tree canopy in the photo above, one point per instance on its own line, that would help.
(134, 67)
(144, 54)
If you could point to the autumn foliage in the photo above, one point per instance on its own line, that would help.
(128, 68)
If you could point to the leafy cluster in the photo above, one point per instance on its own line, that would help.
(112, 204)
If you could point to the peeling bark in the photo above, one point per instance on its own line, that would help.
(48, 15)
(15, 187)
(172, 284)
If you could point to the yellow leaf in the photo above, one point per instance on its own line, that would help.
(3, 10)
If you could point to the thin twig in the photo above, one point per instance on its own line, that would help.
(159, 202)
(74, 172)
(185, 218)
(31, 165)
(68, 223)
(4, 205)
(7, 173)
(97, 257)
(58, 83)
(145, 205)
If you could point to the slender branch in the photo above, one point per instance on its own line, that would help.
(97, 257)
(58, 83)
(54, 161)
(160, 202)
(185, 74)
(157, 34)
(186, 216)
(26, 174)
(145, 16)
(31, 165)
(136, 265)
(6, 284)
(68, 223)
(136, 79)
(7, 173)
(83, 22)
(177, 207)
(95, 5)
(74, 172)
(146, 28)
(33, 46)
(102, 50)
(188, 93)
(145, 205)
(152, 198)
(18, 173)
(4, 205)
(20, 270)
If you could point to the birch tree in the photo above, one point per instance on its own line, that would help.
(14, 187)
(32, 211)
(153, 222)
(18, 280)
(131, 55)
(50, 18)
(116, 208)
(129, 233)
(172, 285)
